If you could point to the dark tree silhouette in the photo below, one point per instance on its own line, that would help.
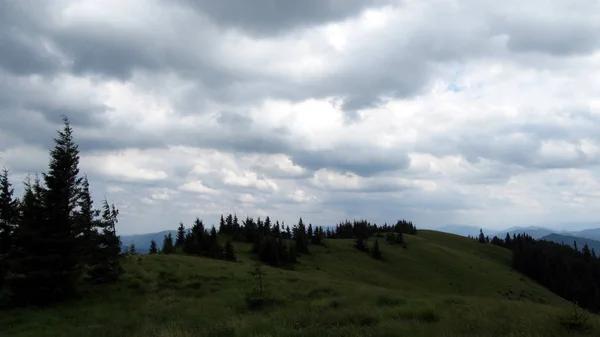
(153, 247)
(167, 247)
(179, 241)
(376, 253)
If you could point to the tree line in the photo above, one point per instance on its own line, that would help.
(274, 243)
(569, 272)
(53, 239)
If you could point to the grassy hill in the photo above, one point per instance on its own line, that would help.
(442, 285)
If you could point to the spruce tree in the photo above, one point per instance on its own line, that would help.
(168, 244)
(9, 214)
(153, 247)
(105, 266)
(222, 225)
(26, 282)
(180, 235)
(86, 218)
(229, 252)
(481, 238)
(376, 251)
(60, 198)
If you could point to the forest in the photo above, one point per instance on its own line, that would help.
(569, 272)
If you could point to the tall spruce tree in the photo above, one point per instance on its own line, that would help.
(180, 235)
(153, 247)
(61, 232)
(9, 214)
(168, 244)
(27, 263)
(229, 252)
(376, 253)
(85, 218)
(104, 265)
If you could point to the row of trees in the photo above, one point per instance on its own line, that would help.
(567, 271)
(196, 240)
(274, 243)
(53, 239)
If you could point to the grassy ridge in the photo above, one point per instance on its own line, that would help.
(442, 285)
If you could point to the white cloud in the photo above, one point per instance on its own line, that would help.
(446, 111)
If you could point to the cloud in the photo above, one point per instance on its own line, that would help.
(436, 111)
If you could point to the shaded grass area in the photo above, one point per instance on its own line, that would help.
(442, 285)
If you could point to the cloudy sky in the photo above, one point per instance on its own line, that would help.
(438, 111)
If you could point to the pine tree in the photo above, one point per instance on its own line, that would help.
(229, 252)
(507, 240)
(26, 282)
(131, 250)
(105, 266)
(222, 226)
(586, 252)
(481, 236)
(61, 232)
(180, 235)
(86, 218)
(300, 237)
(9, 214)
(153, 247)
(376, 253)
(168, 244)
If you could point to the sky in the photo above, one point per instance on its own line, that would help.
(473, 112)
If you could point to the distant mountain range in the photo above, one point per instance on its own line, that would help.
(572, 240)
(591, 236)
(142, 241)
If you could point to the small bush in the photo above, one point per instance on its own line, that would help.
(335, 304)
(576, 320)
(424, 315)
(384, 300)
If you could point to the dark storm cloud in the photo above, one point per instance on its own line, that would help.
(558, 36)
(364, 161)
(22, 49)
(268, 17)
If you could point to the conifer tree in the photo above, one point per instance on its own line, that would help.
(27, 280)
(229, 252)
(288, 233)
(507, 240)
(586, 252)
(105, 266)
(153, 247)
(376, 251)
(300, 237)
(9, 214)
(481, 236)
(131, 250)
(168, 244)
(222, 225)
(60, 199)
(180, 235)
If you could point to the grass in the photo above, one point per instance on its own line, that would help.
(442, 285)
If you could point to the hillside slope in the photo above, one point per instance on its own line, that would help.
(442, 285)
